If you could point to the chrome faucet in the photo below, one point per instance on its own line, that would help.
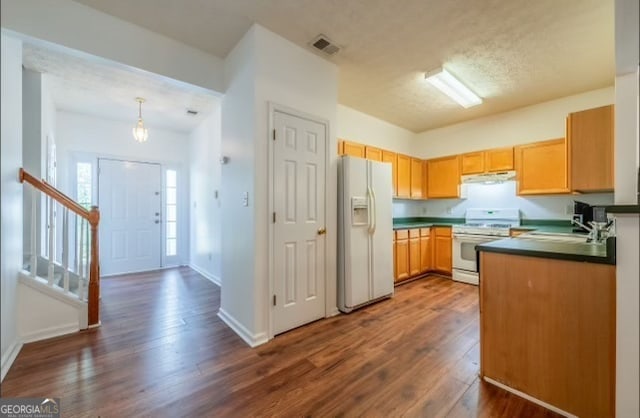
(598, 231)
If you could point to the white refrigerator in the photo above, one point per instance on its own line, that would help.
(365, 233)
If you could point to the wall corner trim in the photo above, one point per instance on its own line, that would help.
(212, 278)
(9, 357)
(253, 340)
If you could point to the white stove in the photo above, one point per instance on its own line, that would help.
(481, 226)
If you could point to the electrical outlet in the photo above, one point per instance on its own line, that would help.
(424, 210)
(449, 211)
(210, 256)
(568, 210)
(245, 199)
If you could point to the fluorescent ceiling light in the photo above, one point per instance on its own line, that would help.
(452, 87)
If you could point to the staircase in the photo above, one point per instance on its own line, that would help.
(61, 295)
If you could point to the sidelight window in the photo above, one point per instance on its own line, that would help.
(172, 213)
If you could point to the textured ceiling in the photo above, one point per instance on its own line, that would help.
(512, 53)
(89, 85)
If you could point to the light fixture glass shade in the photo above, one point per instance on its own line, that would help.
(452, 87)
(140, 133)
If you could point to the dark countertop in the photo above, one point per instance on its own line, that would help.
(542, 225)
(410, 223)
(591, 253)
(623, 209)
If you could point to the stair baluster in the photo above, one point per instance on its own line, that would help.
(34, 217)
(65, 248)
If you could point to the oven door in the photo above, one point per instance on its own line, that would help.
(464, 250)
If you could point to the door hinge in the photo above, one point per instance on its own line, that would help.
(274, 134)
(274, 217)
(274, 300)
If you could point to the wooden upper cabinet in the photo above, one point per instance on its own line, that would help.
(404, 176)
(416, 178)
(443, 177)
(390, 157)
(425, 180)
(499, 159)
(372, 153)
(472, 163)
(590, 138)
(353, 149)
(542, 167)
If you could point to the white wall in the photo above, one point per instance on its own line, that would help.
(82, 28)
(10, 196)
(627, 226)
(205, 173)
(265, 68)
(529, 124)
(86, 137)
(53, 317)
(359, 127)
(501, 196)
(238, 230)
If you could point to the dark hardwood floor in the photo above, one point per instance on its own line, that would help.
(163, 352)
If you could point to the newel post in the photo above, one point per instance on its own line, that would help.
(94, 269)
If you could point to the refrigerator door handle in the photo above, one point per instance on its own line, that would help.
(369, 212)
(375, 212)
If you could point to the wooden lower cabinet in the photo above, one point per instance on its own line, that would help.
(548, 329)
(426, 250)
(414, 252)
(401, 252)
(442, 249)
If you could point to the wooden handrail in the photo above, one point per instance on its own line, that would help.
(57, 195)
(93, 217)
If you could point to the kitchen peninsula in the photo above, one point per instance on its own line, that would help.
(547, 318)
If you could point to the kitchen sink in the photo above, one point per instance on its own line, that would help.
(557, 237)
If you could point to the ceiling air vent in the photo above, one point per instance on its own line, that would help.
(324, 44)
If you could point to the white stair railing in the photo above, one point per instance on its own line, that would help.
(84, 282)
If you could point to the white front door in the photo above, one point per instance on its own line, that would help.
(299, 203)
(130, 201)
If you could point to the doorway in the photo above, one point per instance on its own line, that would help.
(130, 201)
(299, 219)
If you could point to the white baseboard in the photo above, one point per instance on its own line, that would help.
(529, 398)
(51, 332)
(9, 357)
(333, 312)
(253, 340)
(206, 275)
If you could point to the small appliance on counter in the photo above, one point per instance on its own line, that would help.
(582, 214)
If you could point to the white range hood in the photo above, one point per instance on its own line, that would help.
(489, 178)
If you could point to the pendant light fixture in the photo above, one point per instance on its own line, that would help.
(140, 133)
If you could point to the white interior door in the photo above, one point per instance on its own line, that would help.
(129, 197)
(299, 203)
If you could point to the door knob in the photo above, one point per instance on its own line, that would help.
(322, 231)
(157, 213)
(157, 221)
